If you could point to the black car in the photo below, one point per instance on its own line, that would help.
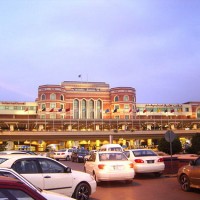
(78, 155)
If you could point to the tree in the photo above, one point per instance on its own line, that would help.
(164, 146)
(195, 148)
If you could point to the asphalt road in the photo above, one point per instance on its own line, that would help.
(144, 187)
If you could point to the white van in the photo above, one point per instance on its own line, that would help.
(111, 147)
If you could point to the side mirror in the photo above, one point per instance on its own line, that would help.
(68, 170)
(192, 162)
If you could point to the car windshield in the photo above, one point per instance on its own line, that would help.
(139, 153)
(61, 150)
(3, 160)
(82, 151)
(112, 156)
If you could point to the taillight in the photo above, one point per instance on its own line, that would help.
(160, 160)
(101, 166)
(62, 153)
(131, 165)
(139, 161)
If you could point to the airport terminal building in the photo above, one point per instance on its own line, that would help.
(89, 114)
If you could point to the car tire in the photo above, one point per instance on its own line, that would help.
(82, 191)
(185, 183)
(129, 181)
(157, 174)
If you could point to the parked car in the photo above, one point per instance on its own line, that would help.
(146, 161)
(78, 155)
(111, 147)
(17, 152)
(46, 194)
(110, 166)
(11, 188)
(189, 176)
(90, 153)
(63, 154)
(49, 174)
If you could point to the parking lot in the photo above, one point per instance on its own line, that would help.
(143, 187)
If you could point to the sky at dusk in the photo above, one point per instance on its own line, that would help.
(150, 45)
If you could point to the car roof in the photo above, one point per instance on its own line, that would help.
(103, 152)
(4, 180)
(10, 156)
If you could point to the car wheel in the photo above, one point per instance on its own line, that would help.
(95, 178)
(67, 158)
(185, 182)
(82, 192)
(157, 174)
(129, 181)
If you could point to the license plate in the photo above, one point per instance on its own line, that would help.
(150, 161)
(118, 167)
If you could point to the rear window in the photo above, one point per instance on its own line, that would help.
(3, 160)
(139, 153)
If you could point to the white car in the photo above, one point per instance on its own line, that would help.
(47, 194)
(146, 161)
(110, 166)
(49, 174)
(63, 154)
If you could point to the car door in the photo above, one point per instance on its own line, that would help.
(29, 168)
(195, 173)
(90, 164)
(55, 176)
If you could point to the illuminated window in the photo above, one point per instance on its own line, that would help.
(52, 97)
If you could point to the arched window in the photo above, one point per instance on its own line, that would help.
(198, 113)
(43, 96)
(116, 98)
(99, 109)
(76, 109)
(84, 109)
(91, 109)
(126, 98)
(52, 97)
(61, 97)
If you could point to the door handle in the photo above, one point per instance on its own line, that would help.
(47, 176)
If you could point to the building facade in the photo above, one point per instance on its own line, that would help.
(93, 108)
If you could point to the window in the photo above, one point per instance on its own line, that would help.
(186, 109)
(91, 109)
(11, 193)
(116, 99)
(49, 166)
(61, 97)
(43, 97)
(84, 109)
(76, 109)
(126, 98)
(26, 167)
(126, 116)
(52, 116)
(99, 107)
(52, 97)
(52, 105)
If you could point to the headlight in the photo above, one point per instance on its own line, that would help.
(80, 156)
